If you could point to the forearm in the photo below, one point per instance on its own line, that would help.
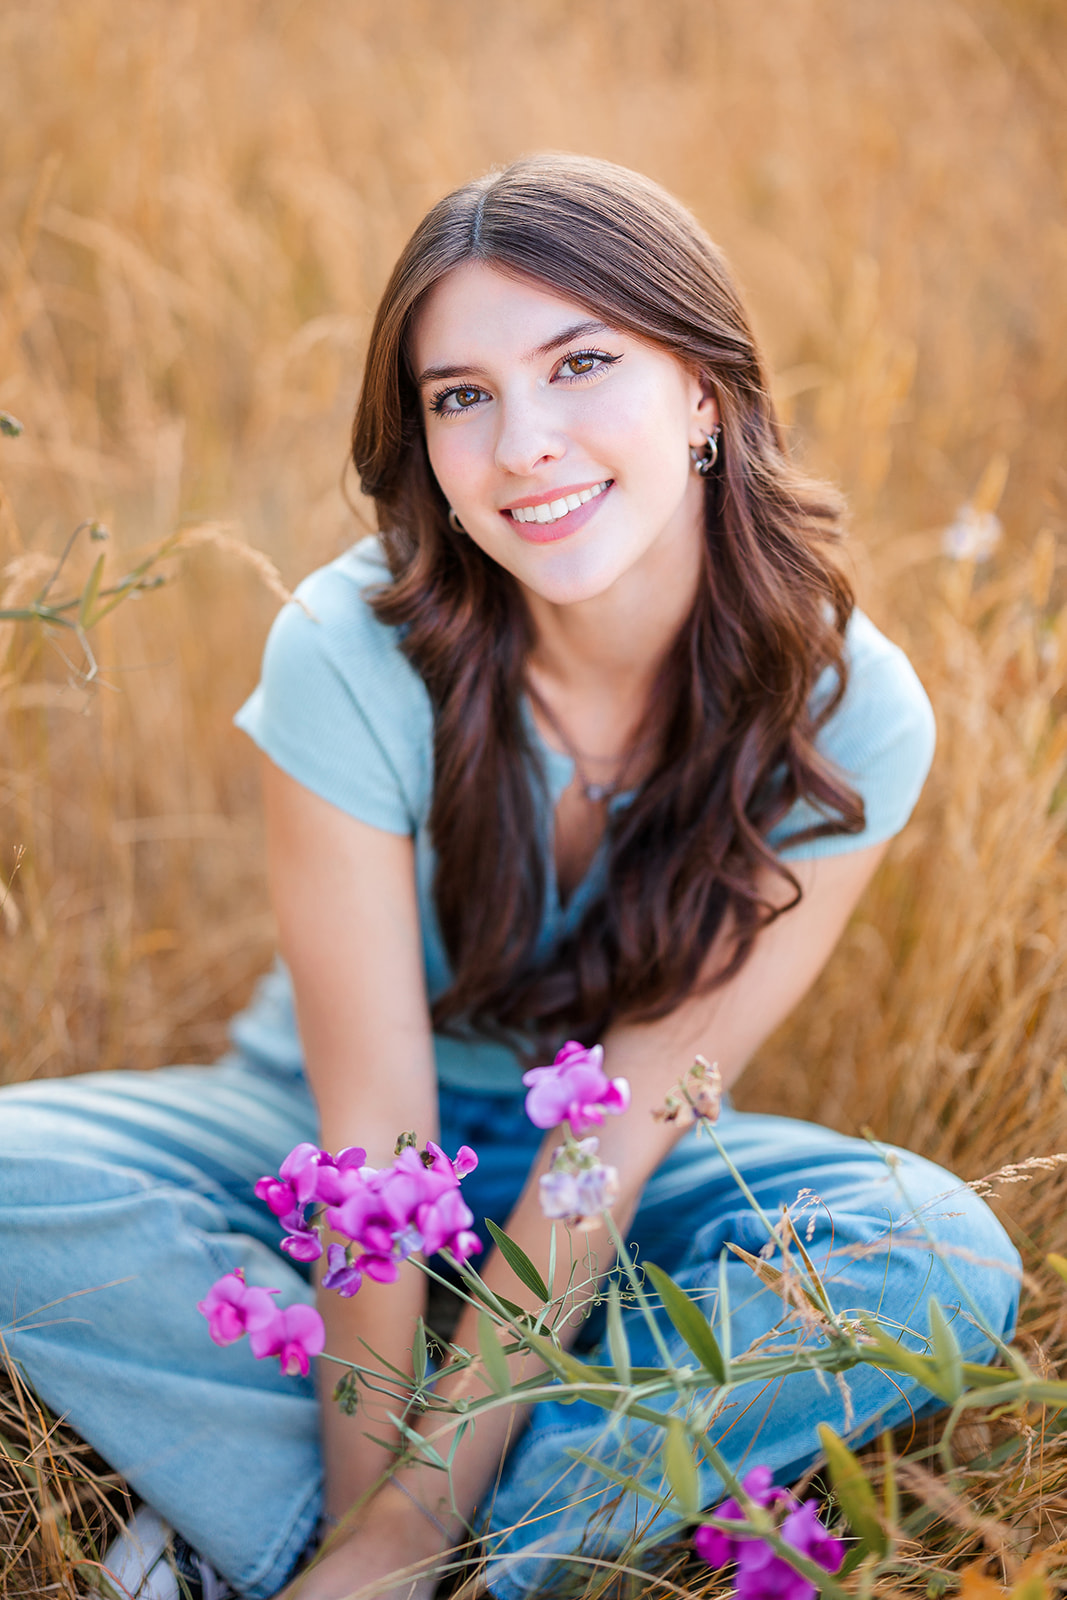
(373, 1328)
(582, 1260)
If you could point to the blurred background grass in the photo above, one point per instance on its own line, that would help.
(199, 205)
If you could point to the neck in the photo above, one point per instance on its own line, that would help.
(617, 641)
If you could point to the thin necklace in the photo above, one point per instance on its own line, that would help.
(595, 793)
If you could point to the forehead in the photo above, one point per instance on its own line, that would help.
(477, 314)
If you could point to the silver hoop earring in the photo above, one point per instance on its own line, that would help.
(704, 460)
(454, 522)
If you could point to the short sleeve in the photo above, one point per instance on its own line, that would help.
(881, 738)
(338, 707)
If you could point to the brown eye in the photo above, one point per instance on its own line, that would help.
(580, 365)
(466, 397)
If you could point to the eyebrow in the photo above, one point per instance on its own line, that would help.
(577, 330)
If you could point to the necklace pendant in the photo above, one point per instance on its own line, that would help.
(596, 792)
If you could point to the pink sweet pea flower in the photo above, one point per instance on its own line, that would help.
(465, 1161)
(308, 1176)
(574, 1089)
(230, 1304)
(303, 1244)
(294, 1335)
(803, 1530)
(761, 1574)
(336, 1176)
(440, 1222)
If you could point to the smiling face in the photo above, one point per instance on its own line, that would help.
(561, 443)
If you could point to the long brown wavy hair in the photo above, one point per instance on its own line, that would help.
(733, 698)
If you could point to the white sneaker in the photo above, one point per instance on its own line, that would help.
(136, 1565)
(149, 1561)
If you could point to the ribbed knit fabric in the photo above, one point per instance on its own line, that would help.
(340, 709)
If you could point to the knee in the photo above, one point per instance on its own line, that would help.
(972, 1262)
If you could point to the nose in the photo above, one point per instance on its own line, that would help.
(527, 435)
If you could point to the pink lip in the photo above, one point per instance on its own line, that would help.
(550, 532)
(551, 494)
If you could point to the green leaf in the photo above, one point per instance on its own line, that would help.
(690, 1322)
(518, 1261)
(1058, 1264)
(418, 1353)
(816, 1283)
(680, 1467)
(946, 1353)
(496, 1362)
(493, 1301)
(618, 1344)
(633, 1485)
(724, 1311)
(900, 1359)
(89, 593)
(854, 1494)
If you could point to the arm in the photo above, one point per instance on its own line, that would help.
(727, 1026)
(344, 895)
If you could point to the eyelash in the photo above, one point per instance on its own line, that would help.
(437, 402)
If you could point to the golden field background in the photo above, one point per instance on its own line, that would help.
(199, 205)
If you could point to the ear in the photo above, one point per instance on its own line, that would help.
(704, 413)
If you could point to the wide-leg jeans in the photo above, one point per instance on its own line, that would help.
(124, 1195)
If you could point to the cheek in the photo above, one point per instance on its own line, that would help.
(640, 426)
(455, 457)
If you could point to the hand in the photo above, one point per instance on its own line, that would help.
(390, 1537)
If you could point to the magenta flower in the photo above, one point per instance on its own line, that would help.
(445, 1223)
(761, 1574)
(303, 1244)
(805, 1532)
(409, 1206)
(230, 1306)
(307, 1176)
(465, 1161)
(574, 1089)
(294, 1335)
(340, 1274)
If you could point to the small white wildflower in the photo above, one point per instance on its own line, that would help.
(972, 535)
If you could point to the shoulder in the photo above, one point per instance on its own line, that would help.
(881, 737)
(337, 698)
(884, 701)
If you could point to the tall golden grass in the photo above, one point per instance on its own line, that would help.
(198, 208)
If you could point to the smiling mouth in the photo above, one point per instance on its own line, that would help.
(556, 510)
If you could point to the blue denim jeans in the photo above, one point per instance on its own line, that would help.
(124, 1195)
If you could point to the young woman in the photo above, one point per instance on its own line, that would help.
(589, 743)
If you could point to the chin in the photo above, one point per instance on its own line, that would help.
(572, 577)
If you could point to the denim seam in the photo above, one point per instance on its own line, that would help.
(272, 1573)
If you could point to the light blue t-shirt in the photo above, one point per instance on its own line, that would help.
(342, 710)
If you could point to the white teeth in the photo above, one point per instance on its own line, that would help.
(553, 510)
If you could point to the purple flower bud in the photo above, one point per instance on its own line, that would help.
(346, 1279)
(280, 1197)
(303, 1244)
